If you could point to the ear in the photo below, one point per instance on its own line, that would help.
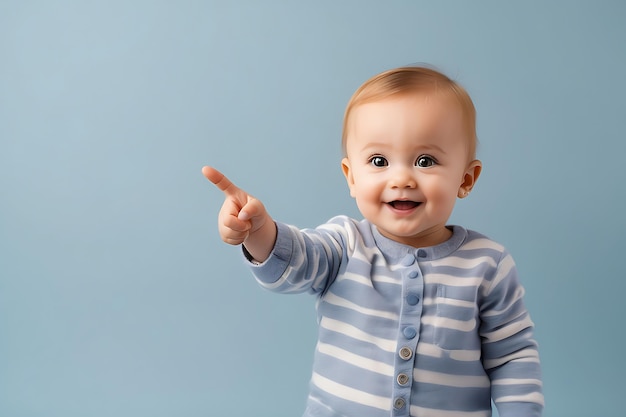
(347, 172)
(470, 177)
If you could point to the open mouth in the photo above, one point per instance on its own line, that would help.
(403, 204)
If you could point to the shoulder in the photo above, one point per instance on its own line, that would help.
(350, 232)
(477, 249)
(479, 243)
(345, 223)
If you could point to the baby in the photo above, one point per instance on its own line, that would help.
(416, 317)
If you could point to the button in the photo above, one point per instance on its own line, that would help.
(409, 332)
(422, 253)
(412, 299)
(402, 379)
(399, 403)
(414, 274)
(408, 260)
(406, 353)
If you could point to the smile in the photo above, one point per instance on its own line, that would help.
(403, 204)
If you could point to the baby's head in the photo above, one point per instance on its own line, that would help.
(414, 80)
(409, 145)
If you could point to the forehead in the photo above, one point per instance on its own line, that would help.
(409, 81)
(423, 111)
(407, 122)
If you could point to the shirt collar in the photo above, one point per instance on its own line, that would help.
(395, 251)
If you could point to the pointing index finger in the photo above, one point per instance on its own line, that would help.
(219, 180)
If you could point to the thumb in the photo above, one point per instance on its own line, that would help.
(252, 208)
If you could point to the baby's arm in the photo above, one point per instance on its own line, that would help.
(243, 218)
(510, 354)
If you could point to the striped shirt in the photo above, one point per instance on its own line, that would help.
(427, 332)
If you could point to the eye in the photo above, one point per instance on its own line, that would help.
(425, 161)
(378, 161)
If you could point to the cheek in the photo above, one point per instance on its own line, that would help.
(353, 192)
(366, 190)
(441, 191)
(360, 182)
(362, 192)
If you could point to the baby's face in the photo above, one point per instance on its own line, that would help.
(407, 161)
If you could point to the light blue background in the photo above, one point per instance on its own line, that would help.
(117, 297)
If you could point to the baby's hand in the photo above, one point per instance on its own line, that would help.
(243, 218)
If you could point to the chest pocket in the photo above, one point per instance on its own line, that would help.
(456, 318)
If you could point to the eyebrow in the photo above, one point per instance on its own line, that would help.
(425, 148)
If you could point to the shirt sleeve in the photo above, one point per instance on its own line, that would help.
(301, 260)
(510, 354)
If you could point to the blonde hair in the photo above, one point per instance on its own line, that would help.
(412, 79)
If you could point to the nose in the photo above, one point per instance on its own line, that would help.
(402, 178)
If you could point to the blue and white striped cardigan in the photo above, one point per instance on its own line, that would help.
(426, 332)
